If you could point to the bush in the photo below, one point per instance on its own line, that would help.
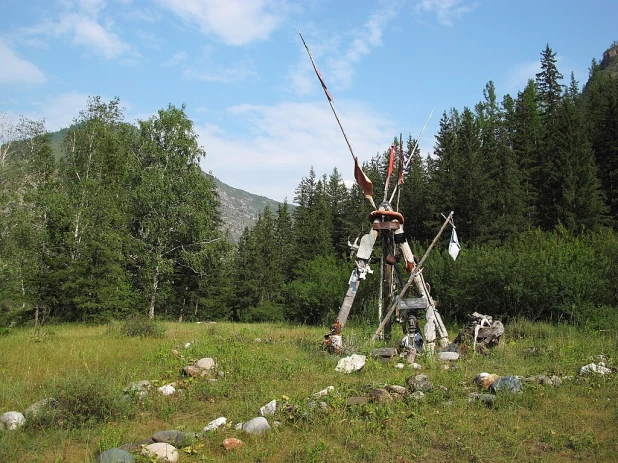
(141, 326)
(83, 401)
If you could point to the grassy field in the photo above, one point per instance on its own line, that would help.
(577, 421)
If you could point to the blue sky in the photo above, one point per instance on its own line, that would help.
(241, 69)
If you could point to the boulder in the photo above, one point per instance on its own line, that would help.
(115, 455)
(510, 384)
(12, 420)
(206, 363)
(350, 364)
(257, 425)
(161, 451)
(40, 407)
(269, 409)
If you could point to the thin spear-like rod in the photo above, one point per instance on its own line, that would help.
(411, 154)
(330, 102)
(415, 272)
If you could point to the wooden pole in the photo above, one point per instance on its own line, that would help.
(415, 272)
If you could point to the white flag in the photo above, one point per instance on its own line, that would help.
(453, 246)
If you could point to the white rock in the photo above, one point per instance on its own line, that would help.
(205, 364)
(323, 392)
(400, 366)
(352, 363)
(444, 356)
(214, 424)
(187, 345)
(161, 450)
(269, 409)
(239, 426)
(257, 425)
(12, 420)
(416, 366)
(599, 368)
(168, 389)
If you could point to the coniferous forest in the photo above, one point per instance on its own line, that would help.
(124, 221)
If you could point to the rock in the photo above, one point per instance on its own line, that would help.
(138, 389)
(115, 455)
(238, 426)
(12, 420)
(215, 424)
(257, 425)
(510, 384)
(176, 354)
(380, 395)
(206, 363)
(187, 345)
(400, 366)
(418, 395)
(352, 363)
(323, 392)
(487, 399)
(161, 451)
(269, 409)
(193, 371)
(448, 356)
(384, 353)
(257, 340)
(169, 437)
(485, 379)
(356, 401)
(232, 443)
(416, 366)
(168, 389)
(419, 383)
(593, 368)
(396, 389)
(40, 407)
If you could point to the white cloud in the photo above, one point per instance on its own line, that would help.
(60, 110)
(178, 58)
(446, 10)
(337, 65)
(16, 69)
(234, 22)
(286, 139)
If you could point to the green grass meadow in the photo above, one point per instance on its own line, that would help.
(89, 366)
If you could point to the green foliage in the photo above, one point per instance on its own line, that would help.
(83, 401)
(141, 326)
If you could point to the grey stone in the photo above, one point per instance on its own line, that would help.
(510, 384)
(269, 409)
(396, 389)
(115, 455)
(487, 399)
(418, 395)
(205, 363)
(448, 356)
(384, 353)
(380, 395)
(256, 425)
(419, 383)
(161, 451)
(40, 407)
(173, 437)
(215, 424)
(138, 389)
(356, 401)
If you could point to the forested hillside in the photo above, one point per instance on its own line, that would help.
(126, 223)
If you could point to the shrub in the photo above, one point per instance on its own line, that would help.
(141, 326)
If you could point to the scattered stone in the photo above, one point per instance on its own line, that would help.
(384, 354)
(39, 407)
(161, 451)
(173, 437)
(510, 384)
(396, 389)
(176, 354)
(487, 399)
(352, 363)
(215, 424)
(356, 401)
(448, 356)
(269, 409)
(115, 455)
(12, 420)
(416, 366)
(257, 425)
(257, 340)
(380, 395)
(400, 366)
(419, 383)
(232, 443)
(544, 380)
(138, 389)
(323, 392)
(206, 363)
(168, 389)
(193, 371)
(598, 368)
(418, 395)
(485, 379)
(238, 426)
(187, 345)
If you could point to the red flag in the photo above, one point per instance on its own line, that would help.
(362, 180)
(328, 95)
(390, 163)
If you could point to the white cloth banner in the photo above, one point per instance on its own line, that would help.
(453, 246)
